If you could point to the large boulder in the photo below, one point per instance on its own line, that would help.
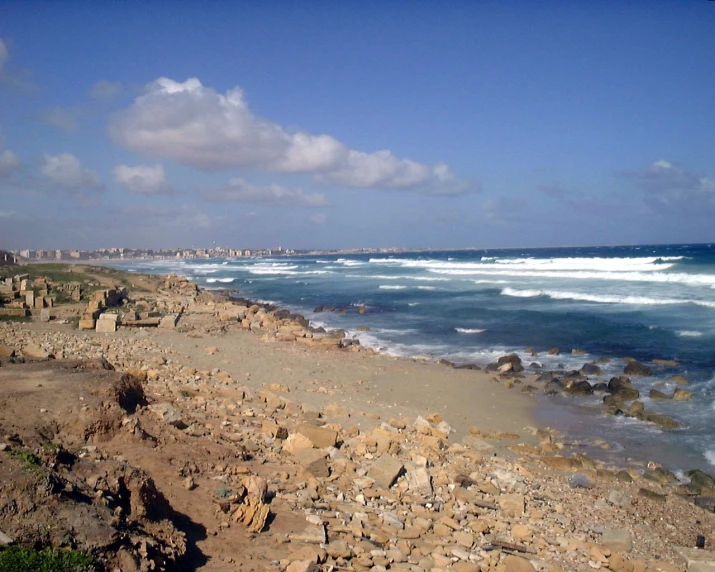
(636, 368)
(621, 387)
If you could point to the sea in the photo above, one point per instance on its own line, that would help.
(472, 306)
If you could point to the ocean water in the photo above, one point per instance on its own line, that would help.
(472, 306)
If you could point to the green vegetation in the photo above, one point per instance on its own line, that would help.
(184, 393)
(31, 460)
(16, 559)
(54, 272)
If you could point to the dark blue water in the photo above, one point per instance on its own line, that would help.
(644, 302)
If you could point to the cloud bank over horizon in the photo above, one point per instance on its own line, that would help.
(196, 126)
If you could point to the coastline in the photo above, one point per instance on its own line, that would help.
(474, 471)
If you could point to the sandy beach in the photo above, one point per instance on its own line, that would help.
(277, 449)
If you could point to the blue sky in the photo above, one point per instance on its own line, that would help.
(356, 124)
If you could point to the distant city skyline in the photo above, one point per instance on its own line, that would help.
(356, 125)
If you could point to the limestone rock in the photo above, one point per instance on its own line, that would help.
(682, 395)
(320, 437)
(303, 566)
(314, 461)
(252, 513)
(385, 470)
(517, 564)
(512, 504)
(256, 486)
(617, 539)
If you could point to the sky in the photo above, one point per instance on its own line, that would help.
(312, 124)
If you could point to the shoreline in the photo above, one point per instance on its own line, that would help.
(581, 424)
(364, 461)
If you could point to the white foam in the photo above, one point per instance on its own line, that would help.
(689, 333)
(710, 456)
(604, 298)
(224, 280)
(661, 277)
(469, 330)
(651, 263)
(426, 287)
(391, 287)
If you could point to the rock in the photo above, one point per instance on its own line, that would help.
(252, 513)
(511, 358)
(617, 539)
(6, 352)
(256, 486)
(320, 437)
(580, 481)
(419, 481)
(579, 388)
(315, 461)
(189, 483)
(169, 322)
(296, 442)
(617, 498)
(666, 362)
(303, 566)
(621, 386)
(169, 414)
(655, 394)
(617, 563)
(698, 560)
(521, 532)
(682, 395)
(339, 549)
(513, 563)
(701, 480)
(637, 368)
(385, 470)
(33, 351)
(5, 540)
(311, 533)
(512, 504)
(679, 379)
(591, 369)
(45, 315)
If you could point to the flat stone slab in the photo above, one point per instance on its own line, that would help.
(385, 470)
(698, 560)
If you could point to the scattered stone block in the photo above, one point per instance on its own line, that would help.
(698, 560)
(314, 461)
(45, 315)
(385, 470)
(320, 437)
(169, 322)
(617, 540)
(512, 504)
(252, 513)
(87, 324)
(106, 326)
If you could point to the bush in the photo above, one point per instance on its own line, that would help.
(16, 559)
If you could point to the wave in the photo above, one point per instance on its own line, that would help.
(675, 278)
(650, 263)
(469, 330)
(224, 280)
(426, 287)
(689, 333)
(398, 277)
(603, 299)
(710, 456)
(391, 287)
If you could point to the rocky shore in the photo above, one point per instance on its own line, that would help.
(234, 436)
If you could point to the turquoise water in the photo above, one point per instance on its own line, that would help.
(644, 302)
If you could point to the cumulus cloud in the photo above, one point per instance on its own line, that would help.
(65, 171)
(197, 126)
(142, 179)
(106, 89)
(240, 191)
(668, 185)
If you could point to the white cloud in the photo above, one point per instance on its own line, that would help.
(668, 185)
(196, 126)
(142, 179)
(66, 171)
(8, 163)
(241, 191)
(105, 89)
